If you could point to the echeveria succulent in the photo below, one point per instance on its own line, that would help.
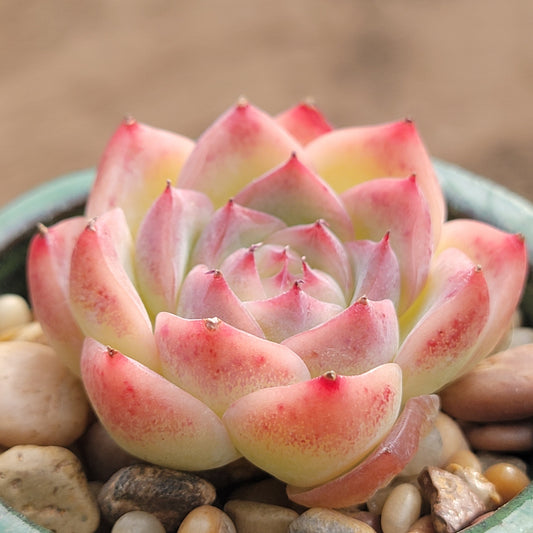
(278, 290)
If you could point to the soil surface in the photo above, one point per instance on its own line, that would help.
(71, 70)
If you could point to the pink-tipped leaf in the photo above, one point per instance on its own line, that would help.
(442, 328)
(397, 207)
(205, 293)
(150, 417)
(304, 122)
(218, 363)
(388, 459)
(48, 267)
(363, 336)
(296, 195)
(349, 156)
(164, 243)
(137, 163)
(311, 432)
(104, 299)
(240, 146)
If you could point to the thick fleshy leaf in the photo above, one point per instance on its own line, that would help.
(503, 258)
(104, 299)
(206, 294)
(311, 432)
(218, 363)
(137, 163)
(377, 271)
(150, 417)
(164, 242)
(240, 146)
(346, 157)
(381, 466)
(290, 313)
(232, 227)
(296, 195)
(360, 338)
(321, 248)
(321, 286)
(241, 274)
(396, 206)
(444, 324)
(304, 122)
(48, 267)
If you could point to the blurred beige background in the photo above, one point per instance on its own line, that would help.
(463, 70)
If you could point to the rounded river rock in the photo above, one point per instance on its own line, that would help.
(167, 494)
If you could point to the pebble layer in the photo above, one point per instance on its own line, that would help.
(237, 498)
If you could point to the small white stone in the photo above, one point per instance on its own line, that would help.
(14, 311)
(48, 486)
(42, 401)
(401, 509)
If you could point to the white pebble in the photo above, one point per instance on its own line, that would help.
(138, 522)
(14, 311)
(42, 401)
(401, 509)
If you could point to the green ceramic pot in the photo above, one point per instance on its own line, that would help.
(466, 194)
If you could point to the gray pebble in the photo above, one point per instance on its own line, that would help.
(48, 486)
(167, 494)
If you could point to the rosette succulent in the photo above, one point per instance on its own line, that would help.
(278, 290)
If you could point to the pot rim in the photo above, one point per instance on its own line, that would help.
(467, 195)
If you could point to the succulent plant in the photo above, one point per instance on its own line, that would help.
(278, 290)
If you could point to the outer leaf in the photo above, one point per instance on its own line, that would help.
(218, 363)
(381, 466)
(396, 206)
(137, 163)
(309, 433)
(304, 122)
(241, 145)
(444, 324)
(48, 266)
(503, 258)
(296, 195)
(104, 300)
(164, 243)
(346, 157)
(206, 294)
(150, 417)
(360, 338)
(290, 313)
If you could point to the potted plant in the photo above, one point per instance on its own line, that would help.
(234, 162)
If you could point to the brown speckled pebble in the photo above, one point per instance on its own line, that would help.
(167, 494)
(453, 504)
(47, 484)
(499, 389)
(508, 437)
(319, 520)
